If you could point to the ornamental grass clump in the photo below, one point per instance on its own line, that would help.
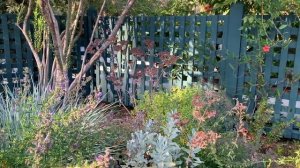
(37, 130)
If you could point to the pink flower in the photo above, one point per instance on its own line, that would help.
(197, 114)
(266, 48)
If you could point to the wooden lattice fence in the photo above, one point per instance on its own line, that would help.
(214, 45)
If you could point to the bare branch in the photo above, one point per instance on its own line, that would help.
(67, 27)
(74, 26)
(93, 33)
(27, 38)
(107, 42)
(97, 23)
(46, 57)
(30, 44)
(28, 14)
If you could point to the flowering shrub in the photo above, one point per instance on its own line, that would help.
(78, 134)
(202, 139)
(195, 106)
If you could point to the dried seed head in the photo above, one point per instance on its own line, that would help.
(137, 52)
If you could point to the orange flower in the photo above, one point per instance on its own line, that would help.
(239, 107)
(202, 139)
(197, 114)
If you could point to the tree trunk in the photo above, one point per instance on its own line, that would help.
(60, 79)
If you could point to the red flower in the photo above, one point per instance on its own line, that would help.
(266, 48)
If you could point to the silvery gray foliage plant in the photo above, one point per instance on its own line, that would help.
(148, 148)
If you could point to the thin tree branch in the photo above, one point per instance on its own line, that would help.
(80, 30)
(93, 34)
(46, 55)
(28, 14)
(67, 34)
(27, 38)
(74, 26)
(29, 42)
(53, 26)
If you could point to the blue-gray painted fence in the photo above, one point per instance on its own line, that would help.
(214, 45)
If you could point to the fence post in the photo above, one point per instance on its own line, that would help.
(233, 45)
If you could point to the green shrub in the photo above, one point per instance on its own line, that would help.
(294, 160)
(159, 104)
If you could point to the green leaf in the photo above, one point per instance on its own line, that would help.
(282, 27)
(251, 19)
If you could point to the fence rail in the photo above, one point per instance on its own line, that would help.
(214, 45)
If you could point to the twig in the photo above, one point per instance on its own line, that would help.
(67, 34)
(72, 37)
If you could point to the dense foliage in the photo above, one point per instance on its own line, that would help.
(190, 127)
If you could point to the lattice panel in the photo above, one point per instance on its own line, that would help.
(15, 56)
(281, 73)
(198, 39)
